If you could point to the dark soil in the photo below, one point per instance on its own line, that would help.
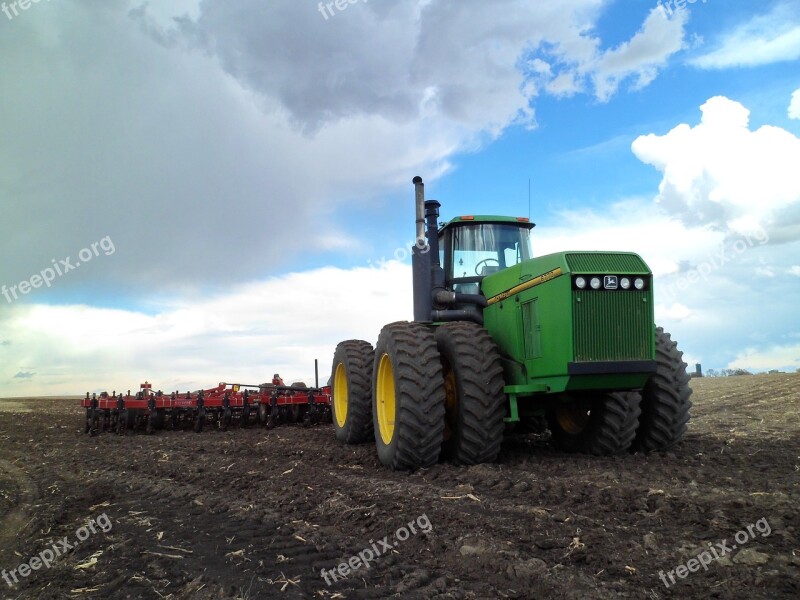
(259, 514)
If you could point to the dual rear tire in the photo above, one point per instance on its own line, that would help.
(421, 395)
(475, 405)
(407, 397)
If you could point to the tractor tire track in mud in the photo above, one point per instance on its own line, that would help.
(19, 493)
(260, 513)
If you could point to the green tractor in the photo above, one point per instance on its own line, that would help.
(503, 340)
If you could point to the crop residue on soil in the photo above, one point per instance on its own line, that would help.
(258, 514)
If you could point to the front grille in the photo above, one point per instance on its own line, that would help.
(612, 325)
(606, 262)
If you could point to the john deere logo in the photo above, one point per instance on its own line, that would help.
(610, 282)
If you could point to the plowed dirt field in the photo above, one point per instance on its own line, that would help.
(259, 513)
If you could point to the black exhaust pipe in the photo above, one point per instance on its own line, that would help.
(436, 271)
(421, 261)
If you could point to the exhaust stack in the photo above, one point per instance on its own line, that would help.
(421, 261)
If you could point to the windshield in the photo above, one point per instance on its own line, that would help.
(485, 248)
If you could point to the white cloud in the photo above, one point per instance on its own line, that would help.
(794, 270)
(248, 333)
(766, 39)
(634, 225)
(564, 85)
(579, 63)
(785, 358)
(675, 312)
(736, 196)
(794, 107)
(722, 174)
(765, 272)
(643, 56)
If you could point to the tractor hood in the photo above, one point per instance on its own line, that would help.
(540, 270)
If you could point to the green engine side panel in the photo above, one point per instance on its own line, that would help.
(542, 325)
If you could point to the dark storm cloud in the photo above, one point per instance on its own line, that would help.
(208, 144)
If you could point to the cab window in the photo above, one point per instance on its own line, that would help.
(482, 249)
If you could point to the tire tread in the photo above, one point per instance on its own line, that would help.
(419, 393)
(666, 399)
(357, 356)
(475, 359)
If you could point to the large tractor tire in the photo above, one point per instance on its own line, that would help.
(408, 397)
(475, 405)
(602, 426)
(351, 391)
(665, 399)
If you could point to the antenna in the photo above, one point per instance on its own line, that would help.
(529, 197)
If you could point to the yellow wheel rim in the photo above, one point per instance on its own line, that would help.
(573, 418)
(386, 402)
(450, 402)
(340, 395)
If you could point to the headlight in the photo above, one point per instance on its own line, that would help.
(638, 283)
(595, 283)
(625, 283)
(580, 283)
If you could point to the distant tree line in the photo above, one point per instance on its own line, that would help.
(727, 372)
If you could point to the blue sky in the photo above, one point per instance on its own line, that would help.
(251, 164)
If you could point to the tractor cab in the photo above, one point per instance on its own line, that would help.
(472, 247)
